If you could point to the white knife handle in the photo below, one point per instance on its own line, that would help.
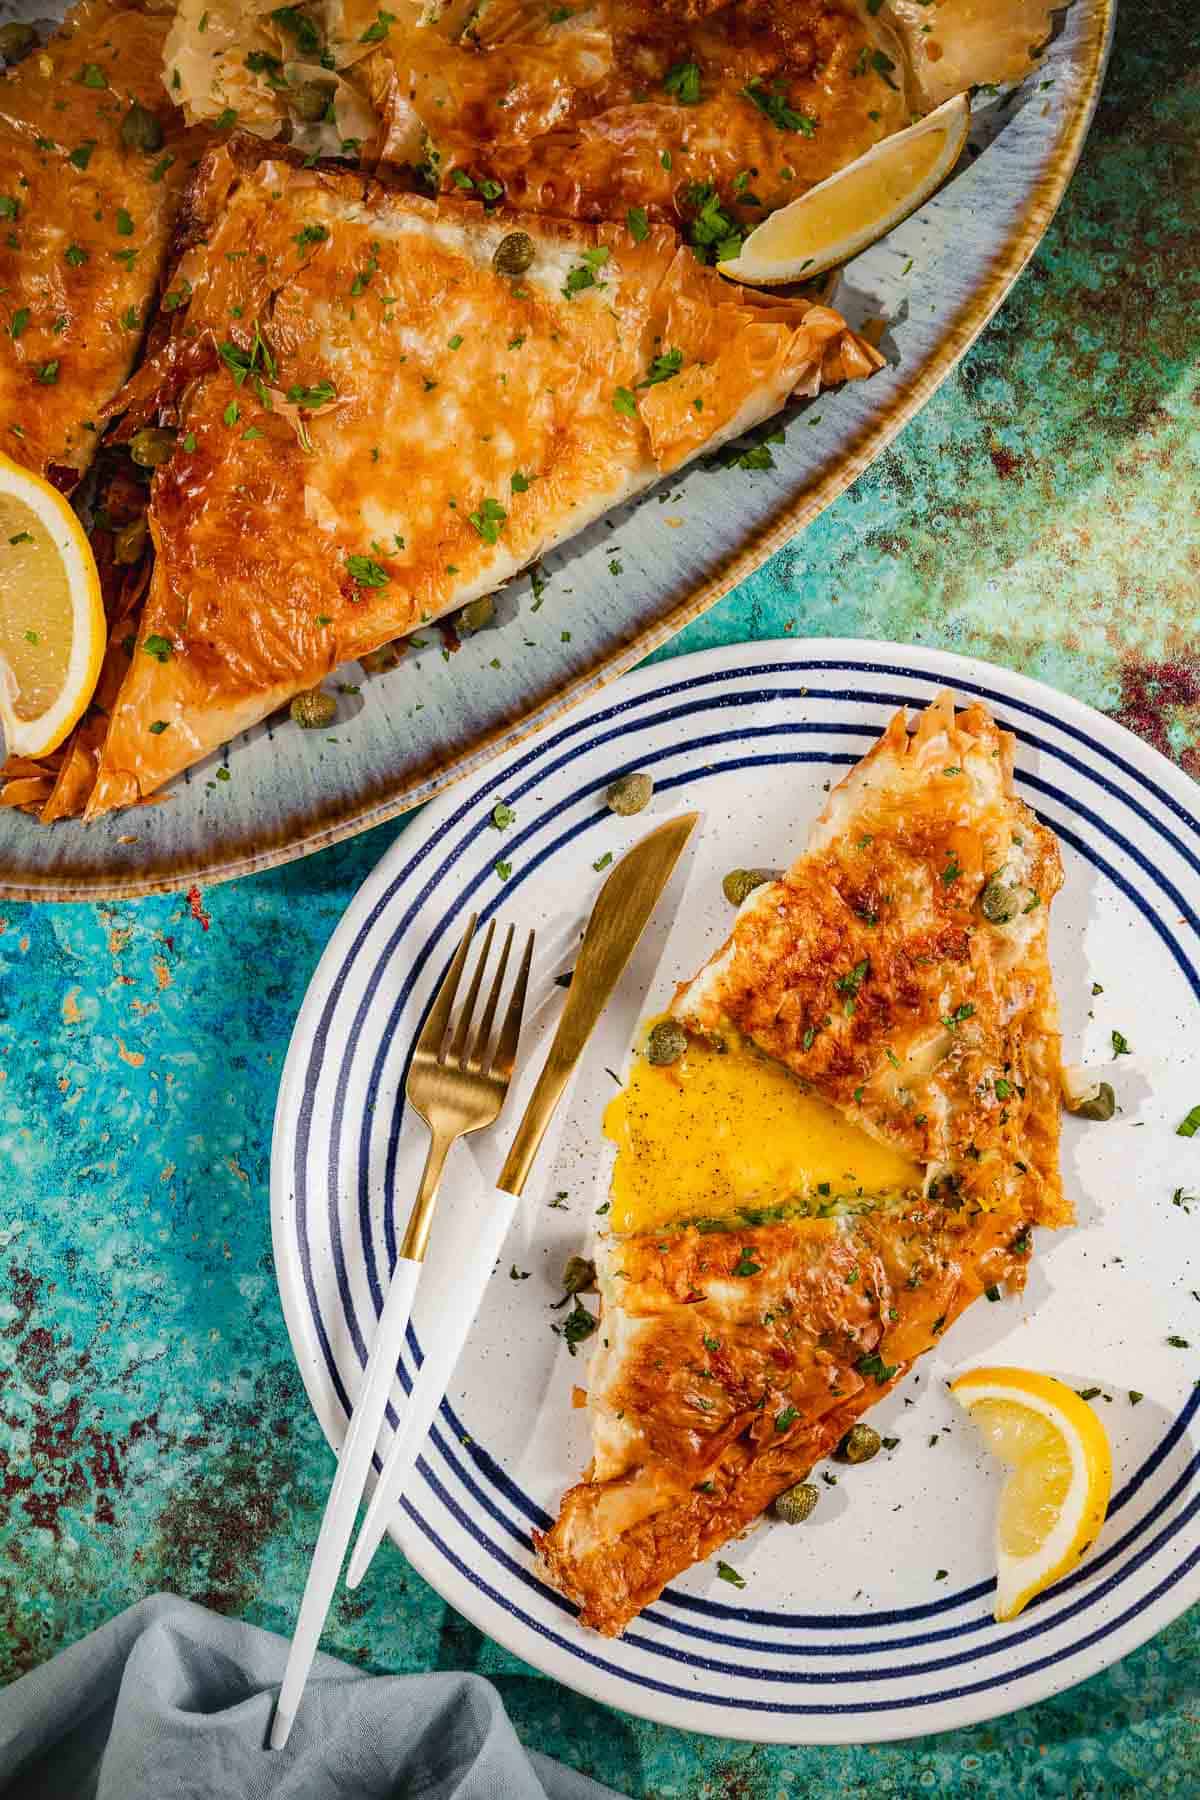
(341, 1508)
(442, 1352)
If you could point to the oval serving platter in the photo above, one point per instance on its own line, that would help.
(606, 599)
(874, 1620)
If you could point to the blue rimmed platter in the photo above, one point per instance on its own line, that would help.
(603, 601)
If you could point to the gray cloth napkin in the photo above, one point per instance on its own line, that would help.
(170, 1702)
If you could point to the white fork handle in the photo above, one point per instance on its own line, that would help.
(441, 1354)
(341, 1508)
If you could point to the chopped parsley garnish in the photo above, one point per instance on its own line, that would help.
(639, 225)
(682, 82)
(745, 1264)
(875, 1365)
(953, 1020)
(189, 441)
(124, 223)
(520, 482)
(455, 343)
(624, 402)
(850, 983)
(310, 234)
(158, 727)
(585, 275)
(992, 1293)
(663, 368)
(364, 571)
(160, 168)
(1120, 1044)
(92, 75)
(786, 1419)
(730, 1574)
(9, 208)
(775, 106)
(48, 373)
(232, 413)
(502, 815)
(160, 648)
(1135, 1398)
(24, 537)
(1189, 1126)
(226, 120)
(488, 519)
(665, 159)
(375, 34)
(1003, 1089)
(1178, 1343)
(319, 394)
(298, 25)
(75, 256)
(952, 870)
(131, 319)
(713, 234)
(261, 62)
(82, 156)
(20, 320)
(578, 1324)
(883, 65)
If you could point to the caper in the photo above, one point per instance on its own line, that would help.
(130, 541)
(999, 903)
(859, 1445)
(140, 130)
(310, 100)
(313, 709)
(1099, 1102)
(475, 615)
(795, 1504)
(514, 253)
(579, 1275)
(629, 794)
(378, 662)
(16, 41)
(152, 446)
(740, 882)
(666, 1043)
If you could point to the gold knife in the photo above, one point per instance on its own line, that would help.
(619, 917)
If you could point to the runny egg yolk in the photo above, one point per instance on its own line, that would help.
(717, 1132)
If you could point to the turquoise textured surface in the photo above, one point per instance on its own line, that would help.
(153, 1429)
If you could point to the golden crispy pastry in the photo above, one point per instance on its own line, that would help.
(84, 223)
(898, 972)
(378, 425)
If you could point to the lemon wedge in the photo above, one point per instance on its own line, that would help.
(1054, 1500)
(849, 210)
(52, 629)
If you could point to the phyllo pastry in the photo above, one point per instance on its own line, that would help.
(855, 1144)
(385, 406)
(694, 114)
(93, 156)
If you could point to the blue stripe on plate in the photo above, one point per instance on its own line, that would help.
(490, 1469)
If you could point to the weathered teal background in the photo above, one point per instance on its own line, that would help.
(153, 1430)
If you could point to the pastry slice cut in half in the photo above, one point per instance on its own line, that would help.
(386, 406)
(854, 1146)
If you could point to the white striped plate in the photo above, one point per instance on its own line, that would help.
(874, 1620)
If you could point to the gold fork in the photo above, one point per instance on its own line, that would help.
(454, 1090)
(456, 1087)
